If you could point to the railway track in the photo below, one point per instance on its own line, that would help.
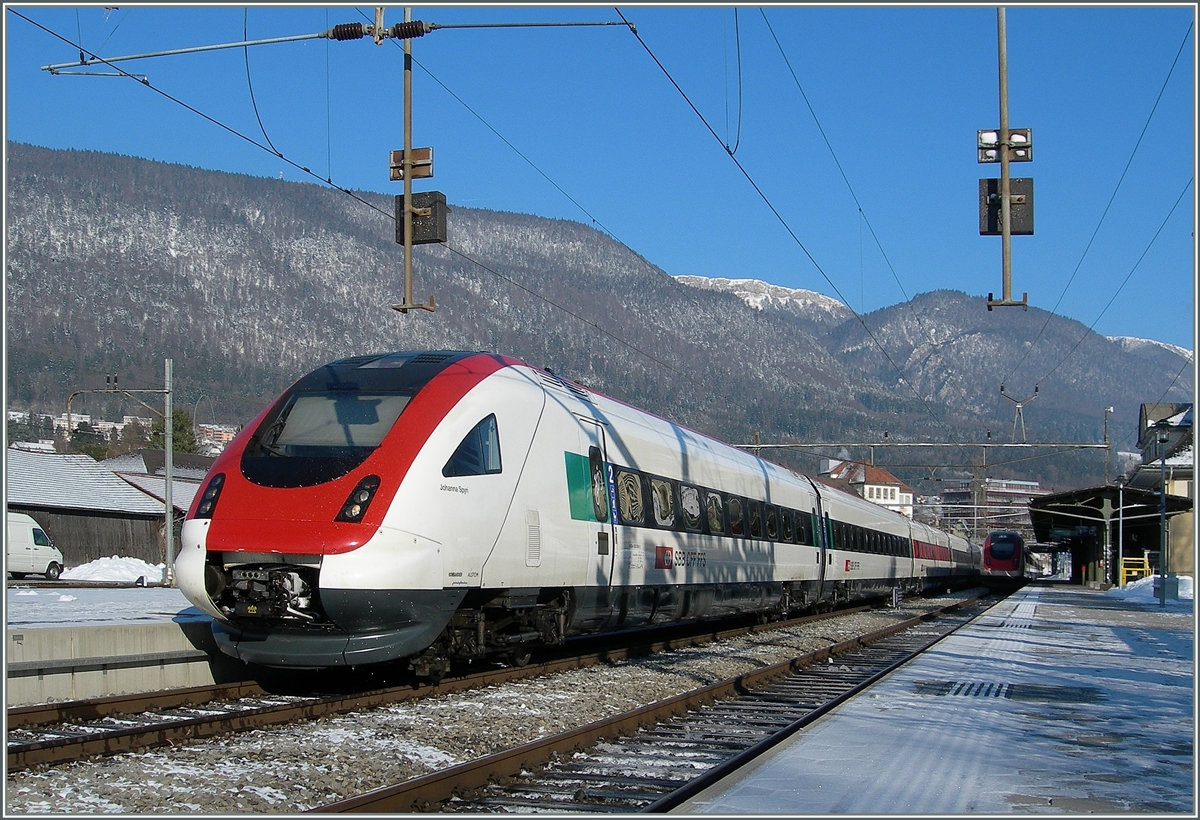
(654, 758)
(54, 734)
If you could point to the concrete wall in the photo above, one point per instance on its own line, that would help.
(73, 663)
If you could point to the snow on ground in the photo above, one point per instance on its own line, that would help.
(117, 569)
(1141, 591)
(63, 605)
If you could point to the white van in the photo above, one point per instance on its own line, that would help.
(30, 551)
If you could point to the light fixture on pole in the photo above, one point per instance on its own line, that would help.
(1107, 450)
(1121, 530)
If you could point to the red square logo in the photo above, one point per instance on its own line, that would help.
(664, 558)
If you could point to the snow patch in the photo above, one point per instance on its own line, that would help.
(1142, 591)
(117, 568)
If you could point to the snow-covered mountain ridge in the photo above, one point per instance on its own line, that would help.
(813, 311)
(1134, 344)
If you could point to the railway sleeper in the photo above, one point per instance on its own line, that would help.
(709, 741)
(605, 793)
(547, 806)
(582, 781)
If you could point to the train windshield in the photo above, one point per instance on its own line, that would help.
(317, 436)
(1003, 545)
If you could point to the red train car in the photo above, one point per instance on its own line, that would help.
(1004, 556)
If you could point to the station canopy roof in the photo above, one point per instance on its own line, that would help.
(1063, 516)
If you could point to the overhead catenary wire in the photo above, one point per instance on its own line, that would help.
(633, 30)
(1124, 282)
(275, 152)
(249, 84)
(372, 206)
(845, 178)
(1050, 315)
(737, 38)
(1190, 360)
(686, 292)
(775, 211)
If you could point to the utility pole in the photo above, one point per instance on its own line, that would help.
(169, 470)
(405, 210)
(168, 445)
(1015, 209)
(1107, 448)
(429, 207)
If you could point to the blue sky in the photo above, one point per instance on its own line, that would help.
(899, 92)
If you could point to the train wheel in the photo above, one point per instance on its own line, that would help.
(520, 657)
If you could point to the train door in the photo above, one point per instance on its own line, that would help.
(820, 527)
(597, 508)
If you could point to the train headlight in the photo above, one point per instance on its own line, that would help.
(359, 499)
(212, 492)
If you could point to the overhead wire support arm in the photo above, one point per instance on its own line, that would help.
(342, 32)
(56, 68)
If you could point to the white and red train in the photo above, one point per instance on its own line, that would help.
(433, 506)
(1004, 555)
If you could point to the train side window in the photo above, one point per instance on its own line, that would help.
(772, 522)
(689, 507)
(785, 525)
(736, 525)
(631, 506)
(754, 513)
(662, 497)
(478, 453)
(715, 513)
(599, 484)
(804, 529)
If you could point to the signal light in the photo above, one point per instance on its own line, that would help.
(359, 499)
(212, 492)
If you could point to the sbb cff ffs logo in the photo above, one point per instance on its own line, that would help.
(664, 558)
(669, 558)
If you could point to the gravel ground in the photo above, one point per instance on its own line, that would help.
(301, 766)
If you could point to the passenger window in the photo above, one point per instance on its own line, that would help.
(754, 512)
(689, 504)
(662, 495)
(785, 525)
(804, 530)
(772, 522)
(716, 515)
(479, 452)
(735, 515)
(40, 538)
(630, 505)
(599, 484)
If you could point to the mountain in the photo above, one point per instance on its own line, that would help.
(113, 263)
(812, 311)
(1167, 356)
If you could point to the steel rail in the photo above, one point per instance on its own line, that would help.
(430, 792)
(76, 742)
(44, 714)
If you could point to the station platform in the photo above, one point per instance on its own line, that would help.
(72, 641)
(1057, 700)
